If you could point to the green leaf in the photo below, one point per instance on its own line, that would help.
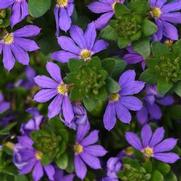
(177, 89)
(112, 86)
(38, 8)
(148, 76)
(171, 177)
(114, 66)
(163, 168)
(121, 10)
(177, 47)
(7, 129)
(149, 27)
(163, 86)
(122, 42)
(159, 49)
(157, 176)
(108, 33)
(62, 161)
(142, 47)
(139, 6)
(175, 112)
(74, 64)
(89, 104)
(20, 178)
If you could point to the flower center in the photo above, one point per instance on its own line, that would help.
(156, 12)
(8, 38)
(85, 54)
(114, 4)
(38, 155)
(62, 3)
(62, 89)
(78, 148)
(114, 97)
(148, 152)
(169, 43)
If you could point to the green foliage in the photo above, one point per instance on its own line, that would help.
(38, 8)
(52, 141)
(130, 25)
(4, 18)
(164, 67)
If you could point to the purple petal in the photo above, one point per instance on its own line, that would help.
(90, 35)
(170, 31)
(160, 3)
(95, 150)
(63, 56)
(131, 88)
(90, 139)
(26, 44)
(133, 58)
(174, 6)
(16, 13)
(45, 82)
(27, 31)
(159, 34)
(133, 140)
(37, 171)
(54, 71)
(90, 160)
(5, 3)
(99, 46)
(80, 167)
(167, 157)
(103, 20)
(82, 130)
(70, 9)
(126, 77)
(172, 17)
(20, 55)
(157, 136)
(142, 116)
(99, 7)
(64, 20)
(166, 101)
(131, 102)
(109, 118)
(146, 135)
(77, 35)
(165, 145)
(154, 111)
(50, 171)
(4, 106)
(45, 95)
(8, 58)
(28, 168)
(68, 44)
(54, 107)
(122, 113)
(67, 109)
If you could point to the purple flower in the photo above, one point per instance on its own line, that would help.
(106, 8)
(54, 87)
(80, 116)
(120, 103)
(4, 106)
(151, 102)
(59, 176)
(34, 123)
(27, 159)
(153, 145)
(166, 15)
(15, 46)
(63, 12)
(80, 46)
(19, 9)
(113, 167)
(133, 57)
(86, 151)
